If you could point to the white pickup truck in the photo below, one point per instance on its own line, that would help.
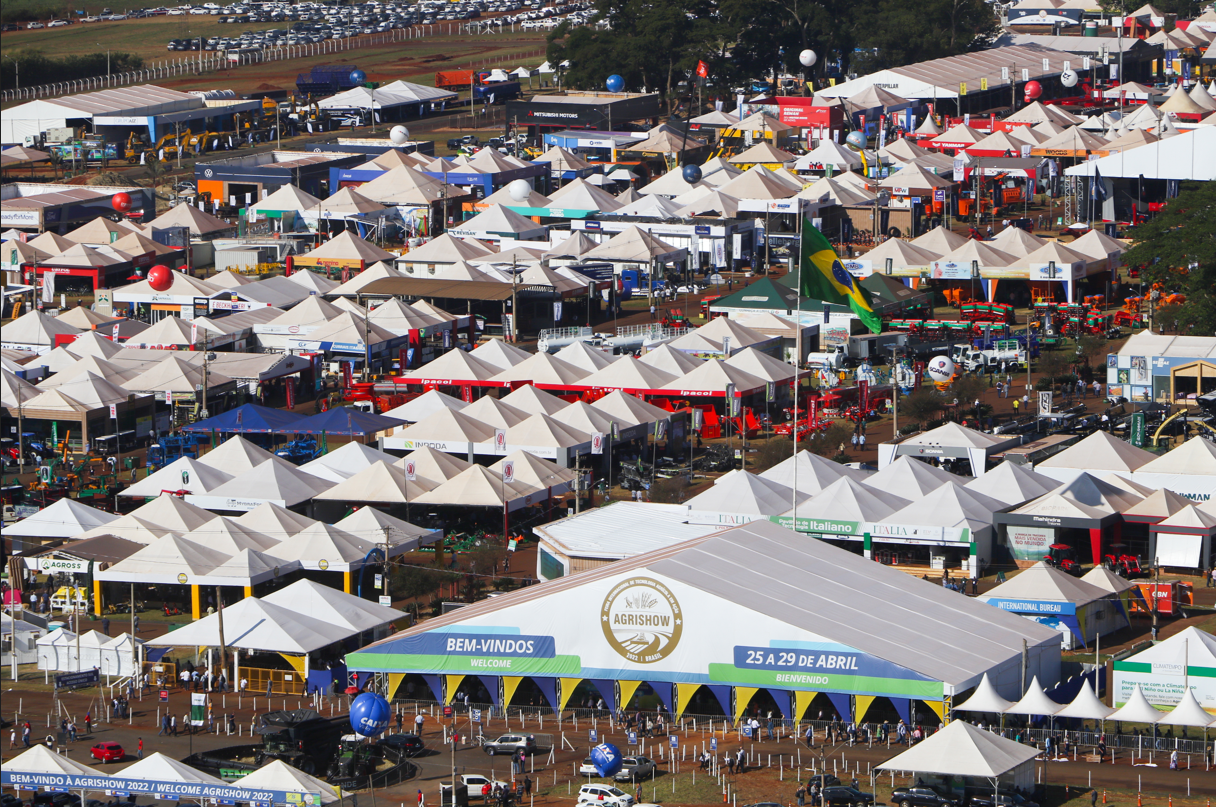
(972, 359)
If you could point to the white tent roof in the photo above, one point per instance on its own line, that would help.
(350, 459)
(425, 405)
(379, 483)
(275, 481)
(278, 775)
(949, 505)
(626, 408)
(478, 486)
(1192, 646)
(814, 472)
(849, 500)
(670, 360)
(286, 198)
(532, 400)
(1101, 451)
(448, 425)
(628, 373)
(127, 527)
(40, 759)
(312, 599)
(542, 431)
(163, 560)
(63, 519)
(1086, 706)
(500, 354)
(712, 376)
(740, 493)
(36, 329)
(1042, 583)
(182, 474)
(1012, 483)
(912, 478)
(275, 521)
(1196, 456)
(1188, 712)
(324, 547)
(1103, 578)
(253, 624)
(495, 413)
(961, 749)
(369, 524)
(1188, 156)
(434, 466)
(1034, 702)
(954, 435)
(984, 699)
(172, 513)
(230, 537)
(248, 567)
(1137, 709)
(542, 368)
(167, 769)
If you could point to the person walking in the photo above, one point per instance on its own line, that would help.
(418, 721)
(25, 735)
(105, 625)
(139, 749)
(652, 312)
(12, 737)
(173, 724)
(1016, 405)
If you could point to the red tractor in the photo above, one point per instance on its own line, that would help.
(1064, 558)
(674, 318)
(1126, 566)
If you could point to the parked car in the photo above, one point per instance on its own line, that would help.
(511, 744)
(920, 796)
(982, 798)
(34, 26)
(605, 795)
(635, 769)
(822, 780)
(840, 796)
(588, 768)
(410, 745)
(57, 24)
(107, 752)
(476, 783)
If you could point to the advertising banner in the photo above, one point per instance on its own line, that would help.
(1029, 543)
(1163, 684)
(172, 790)
(640, 625)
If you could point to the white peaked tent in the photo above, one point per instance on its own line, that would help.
(370, 524)
(1190, 648)
(500, 354)
(161, 768)
(327, 604)
(63, 519)
(912, 478)
(275, 521)
(164, 561)
(323, 547)
(40, 759)
(171, 513)
(433, 466)
(425, 405)
(542, 368)
(278, 775)
(961, 749)
(985, 699)
(670, 360)
(1086, 706)
(1137, 709)
(534, 401)
(738, 498)
(186, 474)
(350, 459)
(625, 408)
(478, 486)
(495, 413)
(276, 481)
(1188, 712)
(1012, 483)
(235, 455)
(813, 473)
(379, 483)
(248, 567)
(1034, 702)
(253, 624)
(127, 527)
(847, 500)
(230, 537)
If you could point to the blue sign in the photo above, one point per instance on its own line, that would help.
(475, 715)
(591, 225)
(815, 658)
(713, 743)
(477, 644)
(701, 229)
(1035, 607)
(747, 730)
(593, 736)
(76, 680)
(939, 194)
(675, 741)
(633, 738)
(153, 788)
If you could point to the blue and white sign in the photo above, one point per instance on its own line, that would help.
(475, 715)
(713, 743)
(67, 782)
(1035, 607)
(633, 738)
(593, 736)
(675, 741)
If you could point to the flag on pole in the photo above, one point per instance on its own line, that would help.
(825, 278)
(1097, 188)
(702, 70)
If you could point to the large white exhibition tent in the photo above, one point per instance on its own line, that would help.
(813, 472)
(278, 775)
(370, 525)
(276, 481)
(912, 478)
(1160, 669)
(330, 605)
(235, 455)
(425, 405)
(849, 500)
(254, 624)
(345, 462)
(1012, 483)
(1101, 451)
(740, 497)
(63, 519)
(961, 749)
(165, 561)
(380, 483)
(1188, 712)
(161, 768)
(275, 521)
(324, 547)
(40, 759)
(185, 473)
(1185, 156)
(433, 465)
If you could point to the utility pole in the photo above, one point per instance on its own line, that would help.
(385, 587)
(203, 413)
(219, 610)
(894, 398)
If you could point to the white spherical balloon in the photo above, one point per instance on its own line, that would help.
(808, 58)
(940, 369)
(1069, 78)
(399, 135)
(520, 190)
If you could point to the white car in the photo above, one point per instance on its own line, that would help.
(176, 12)
(476, 783)
(34, 26)
(57, 24)
(606, 795)
(587, 768)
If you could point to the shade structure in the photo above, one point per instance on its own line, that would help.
(495, 413)
(254, 624)
(1137, 709)
(128, 528)
(1101, 451)
(829, 190)
(172, 513)
(433, 466)
(580, 354)
(446, 430)
(425, 405)
(248, 419)
(345, 249)
(324, 547)
(740, 497)
(454, 368)
(63, 519)
(346, 421)
(537, 473)
(847, 500)
(961, 749)
(634, 245)
(346, 202)
(911, 478)
(35, 330)
(478, 486)
(813, 472)
(229, 536)
(350, 459)
(235, 455)
(379, 483)
(985, 699)
(249, 567)
(170, 560)
(940, 240)
(330, 605)
(174, 375)
(533, 400)
(626, 408)
(1188, 712)
(585, 418)
(950, 506)
(287, 198)
(582, 195)
(373, 526)
(162, 768)
(627, 374)
(716, 376)
(543, 368)
(275, 481)
(828, 154)
(40, 759)
(1045, 583)
(1086, 706)
(185, 474)
(278, 775)
(196, 220)
(502, 222)
(1105, 579)
(1017, 242)
(1034, 702)
(275, 521)
(670, 360)
(544, 432)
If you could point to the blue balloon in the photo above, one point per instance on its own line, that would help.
(607, 759)
(370, 714)
(358, 76)
(692, 174)
(615, 83)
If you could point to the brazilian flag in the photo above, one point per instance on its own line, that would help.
(825, 278)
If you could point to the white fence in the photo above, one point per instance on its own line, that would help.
(213, 61)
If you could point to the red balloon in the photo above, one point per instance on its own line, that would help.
(121, 202)
(160, 277)
(1033, 89)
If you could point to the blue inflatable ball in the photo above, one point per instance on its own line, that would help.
(370, 714)
(358, 76)
(615, 83)
(607, 759)
(692, 174)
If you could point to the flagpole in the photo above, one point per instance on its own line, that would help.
(797, 364)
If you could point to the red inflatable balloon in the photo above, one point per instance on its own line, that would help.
(160, 277)
(1033, 90)
(121, 202)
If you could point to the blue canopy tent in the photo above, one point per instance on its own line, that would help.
(249, 419)
(347, 421)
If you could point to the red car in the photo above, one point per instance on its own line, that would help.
(108, 752)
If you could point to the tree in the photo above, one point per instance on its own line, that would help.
(1177, 248)
(922, 405)
(906, 33)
